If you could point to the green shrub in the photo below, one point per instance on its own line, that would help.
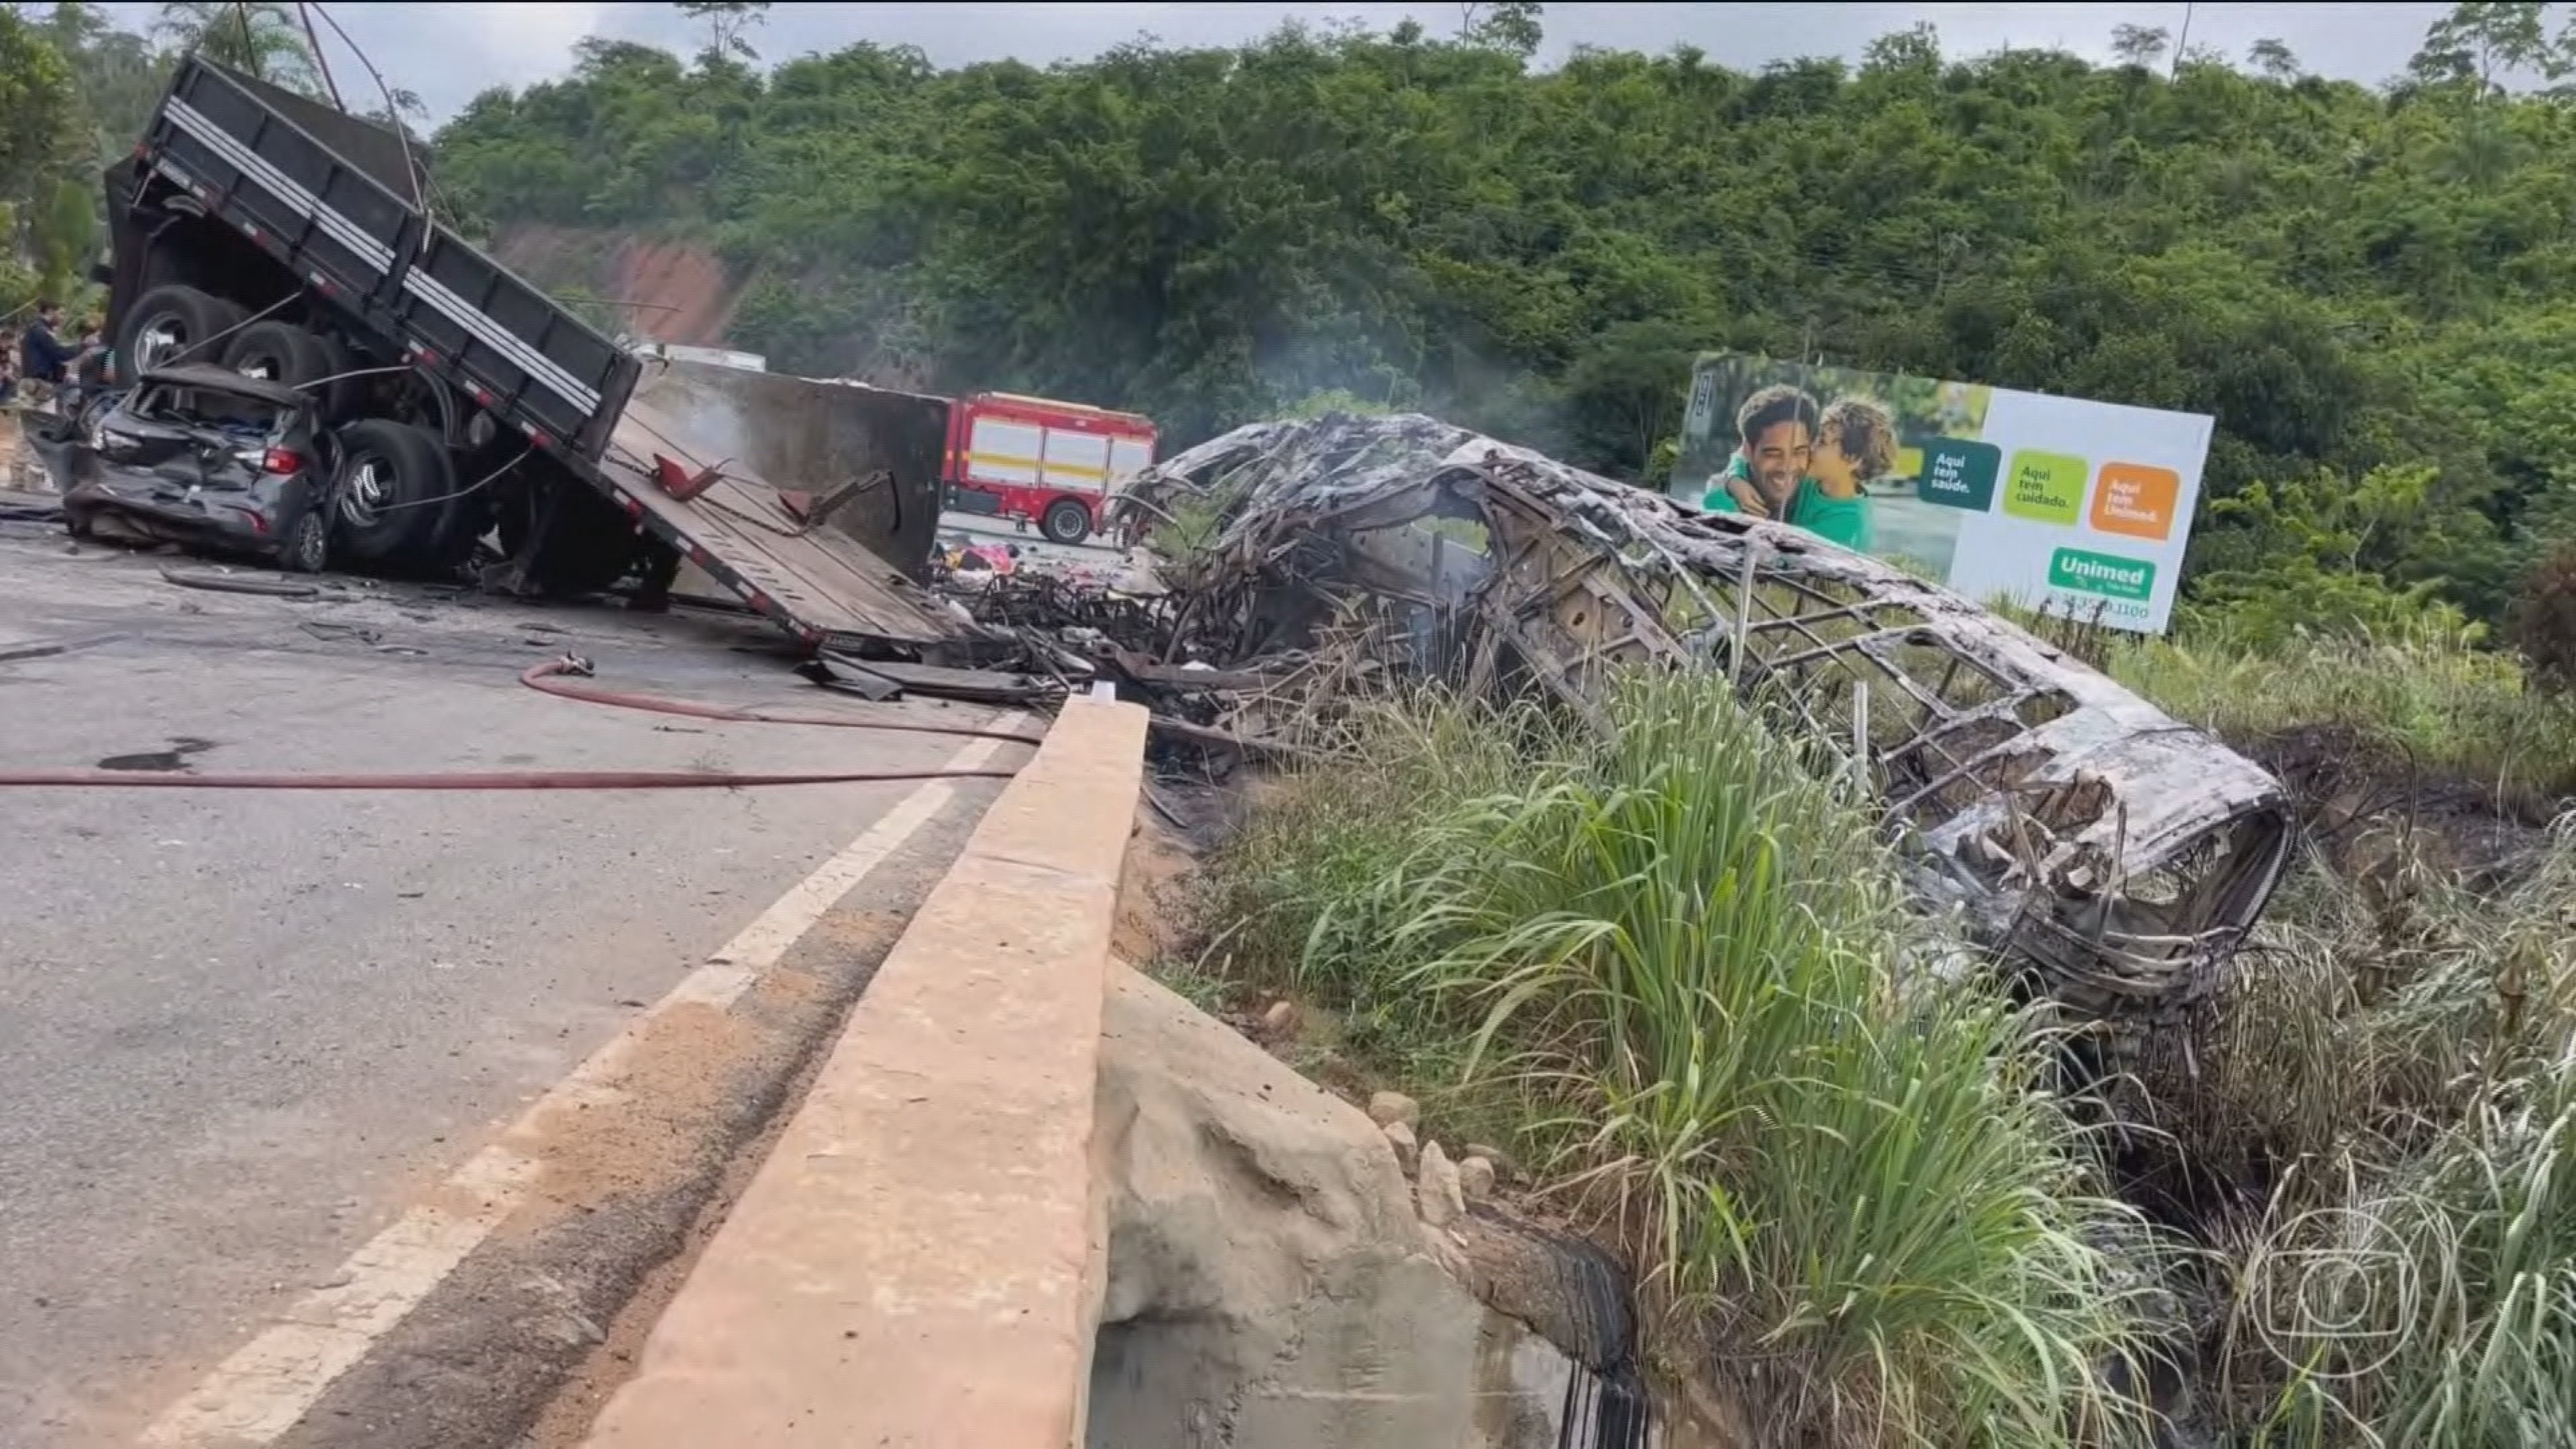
(2434, 1306)
(2270, 609)
(2543, 623)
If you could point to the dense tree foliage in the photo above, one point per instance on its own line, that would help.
(75, 91)
(2366, 288)
(2370, 289)
(38, 134)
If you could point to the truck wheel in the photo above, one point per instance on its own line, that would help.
(167, 322)
(388, 475)
(1067, 521)
(282, 352)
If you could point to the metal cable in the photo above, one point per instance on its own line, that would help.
(424, 190)
(548, 678)
(485, 480)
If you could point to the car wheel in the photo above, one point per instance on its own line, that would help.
(308, 543)
(281, 352)
(172, 324)
(1067, 521)
(387, 490)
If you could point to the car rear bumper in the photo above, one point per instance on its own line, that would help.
(238, 519)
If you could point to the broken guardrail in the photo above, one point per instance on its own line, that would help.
(2119, 854)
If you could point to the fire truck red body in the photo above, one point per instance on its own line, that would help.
(1033, 460)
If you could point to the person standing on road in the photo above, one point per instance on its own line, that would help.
(87, 370)
(44, 360)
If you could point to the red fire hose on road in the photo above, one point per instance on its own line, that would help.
(548, 678)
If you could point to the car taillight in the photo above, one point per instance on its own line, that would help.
(281, 460)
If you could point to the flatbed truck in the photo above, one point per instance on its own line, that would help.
(275, 235)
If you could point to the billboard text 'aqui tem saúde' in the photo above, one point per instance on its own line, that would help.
(2073, 506)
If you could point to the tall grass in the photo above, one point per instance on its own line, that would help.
(1676, 951)
(2398, 1070)
(2435, 1304)
(2427, 696)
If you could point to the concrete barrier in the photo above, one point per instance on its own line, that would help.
(913, 1266)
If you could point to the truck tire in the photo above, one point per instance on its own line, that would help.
(389, 474)
(168, 321)
(282, 352)
(285, 353)
(1066, 521)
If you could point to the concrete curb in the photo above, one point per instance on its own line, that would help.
(913, 1266)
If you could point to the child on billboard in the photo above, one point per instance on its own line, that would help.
(1805, 466)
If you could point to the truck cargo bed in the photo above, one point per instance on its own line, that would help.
(818, 584)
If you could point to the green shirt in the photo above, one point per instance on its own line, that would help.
(1837, 520)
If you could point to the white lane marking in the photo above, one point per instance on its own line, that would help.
(263, 1389)
(296, 196)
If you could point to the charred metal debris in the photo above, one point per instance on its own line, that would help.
(2115, 854)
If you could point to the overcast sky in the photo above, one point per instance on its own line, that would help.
(448, 52)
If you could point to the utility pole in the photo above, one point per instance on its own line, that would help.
(2181, 43)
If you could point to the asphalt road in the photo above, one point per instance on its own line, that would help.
(240, 1031)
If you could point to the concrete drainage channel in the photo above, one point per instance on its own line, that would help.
(1033, 1200)
(914, 1263)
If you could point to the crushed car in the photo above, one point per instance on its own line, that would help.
(203, 457)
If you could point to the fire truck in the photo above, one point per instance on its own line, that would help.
(1033, 460)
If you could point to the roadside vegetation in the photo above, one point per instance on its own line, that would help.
(2372, 1134)
(2381, 1125)
(1675, 963)
(1669, 965)
(2424, 696)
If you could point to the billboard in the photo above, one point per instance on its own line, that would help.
(2066, 505)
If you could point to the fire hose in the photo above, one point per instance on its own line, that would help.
(548, 678)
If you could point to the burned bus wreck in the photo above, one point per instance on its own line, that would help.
(2116, 854)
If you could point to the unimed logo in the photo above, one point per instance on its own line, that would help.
(2106, 574)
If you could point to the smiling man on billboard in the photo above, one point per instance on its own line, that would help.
(1804, 466)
